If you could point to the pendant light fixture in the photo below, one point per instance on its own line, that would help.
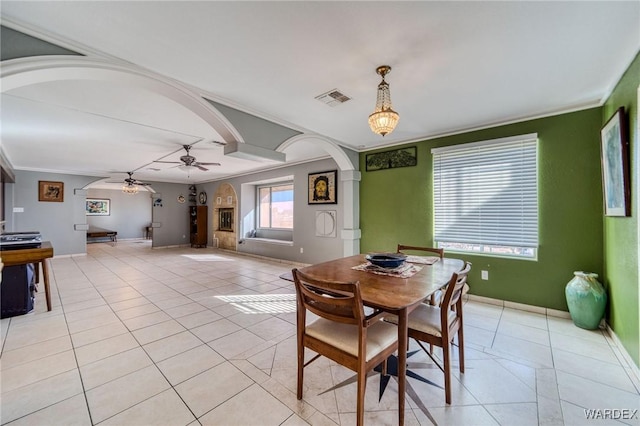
(384, 119)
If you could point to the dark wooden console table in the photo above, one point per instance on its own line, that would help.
(95, 232)
(32, 255)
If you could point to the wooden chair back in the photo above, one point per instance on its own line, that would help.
(404, 248)
(452, 298)
(335, 301)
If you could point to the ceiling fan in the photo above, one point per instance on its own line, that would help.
(190, 161)
(130, 181)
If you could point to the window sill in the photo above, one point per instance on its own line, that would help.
(269, 241)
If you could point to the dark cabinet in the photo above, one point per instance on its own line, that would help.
(198, 226)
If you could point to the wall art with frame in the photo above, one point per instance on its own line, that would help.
(403, 157)
(323, 188)
(614, 153)
(98, 207)
(50, 191)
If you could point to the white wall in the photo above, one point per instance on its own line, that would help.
(172, 217)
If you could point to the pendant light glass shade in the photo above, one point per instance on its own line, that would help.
(384, 119)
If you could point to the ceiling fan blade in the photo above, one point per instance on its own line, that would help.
(204, 169)
(208, 164)
(168, 162)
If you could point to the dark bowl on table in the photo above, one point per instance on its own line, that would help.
(386, 260)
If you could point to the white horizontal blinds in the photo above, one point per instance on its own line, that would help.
(487, 192)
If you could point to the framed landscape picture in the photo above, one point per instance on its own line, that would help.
(615, 166)
(50, 191)
(403, 157)
(98, 207)
(322, 187)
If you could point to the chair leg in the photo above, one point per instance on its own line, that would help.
(300, 369)
(447, 371)
(461, 348)
(362, 385)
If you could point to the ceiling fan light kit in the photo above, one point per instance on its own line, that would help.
(383, 119)
(130, 189)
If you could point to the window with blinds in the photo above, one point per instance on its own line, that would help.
(485, 196)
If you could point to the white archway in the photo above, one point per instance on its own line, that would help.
(332, 148)
(22, 72)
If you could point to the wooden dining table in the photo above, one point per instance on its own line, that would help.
(392, 294)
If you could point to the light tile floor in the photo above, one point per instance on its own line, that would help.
(141, 336)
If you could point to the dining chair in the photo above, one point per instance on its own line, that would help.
(403, 248)
(435, 298)
(342, 332)
(438, 325)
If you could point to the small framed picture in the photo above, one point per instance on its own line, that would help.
(50, 191)
(98, 207)
(615, 166)
(323, 188)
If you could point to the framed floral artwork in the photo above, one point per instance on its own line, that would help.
(51, 191)
(98, 207)
(615, 166)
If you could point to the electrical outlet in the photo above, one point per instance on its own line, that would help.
(301, 250)
(484, 275)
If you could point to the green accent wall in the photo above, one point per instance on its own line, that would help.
(621, 243)
(396, 207)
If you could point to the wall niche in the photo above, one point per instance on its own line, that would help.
(224, 217)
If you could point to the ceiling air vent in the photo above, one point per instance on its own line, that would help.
(333, 97)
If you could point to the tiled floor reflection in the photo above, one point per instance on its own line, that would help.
(198, 336)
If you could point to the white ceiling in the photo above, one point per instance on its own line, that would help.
(456, 66)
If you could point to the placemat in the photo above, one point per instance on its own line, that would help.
(425, 260)
(405, 270)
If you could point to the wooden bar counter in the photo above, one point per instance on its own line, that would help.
(32, 255)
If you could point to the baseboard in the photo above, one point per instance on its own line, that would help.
(633, 368)
(520, 306)
(171, 246)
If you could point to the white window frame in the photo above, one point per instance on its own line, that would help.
(259, 204)
(485, 197)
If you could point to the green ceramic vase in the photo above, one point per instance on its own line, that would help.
(586, 299)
